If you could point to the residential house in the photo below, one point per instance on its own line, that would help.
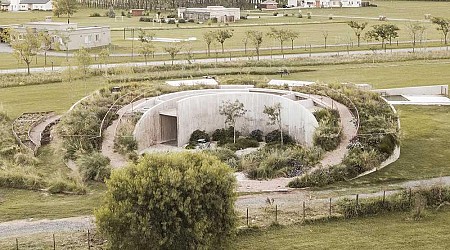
(222, 14)
(269, 4)
(324, 3)
(23, 5)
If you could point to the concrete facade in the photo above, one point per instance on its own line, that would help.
(222, 14)
(78, 37)
(421, 90)
(177, 115)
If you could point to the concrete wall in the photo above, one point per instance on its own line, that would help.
(202, 112)
(422, 90)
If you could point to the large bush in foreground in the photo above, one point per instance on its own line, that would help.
(169, 201)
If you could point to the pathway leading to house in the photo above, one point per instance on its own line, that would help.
(36, 131)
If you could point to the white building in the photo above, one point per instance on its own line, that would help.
(22, 5)
(77, 37)
(202, 14)
(325, 3)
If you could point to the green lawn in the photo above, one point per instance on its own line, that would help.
(424, 150)
(47, 97)
(392, 231)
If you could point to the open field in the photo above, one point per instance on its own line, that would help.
(391, 231)
(388, 231)
(311, 30)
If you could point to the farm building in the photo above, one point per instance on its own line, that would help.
(222, 14)
(269, 4)
(137, 12)
(324, 3)
(22, 5)
(78, 37)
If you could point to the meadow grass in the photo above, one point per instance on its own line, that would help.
(310, 30)
(388, 231)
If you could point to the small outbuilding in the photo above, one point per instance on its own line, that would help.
(137, 12)
(269, 4)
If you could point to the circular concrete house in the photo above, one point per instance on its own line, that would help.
(173, 117)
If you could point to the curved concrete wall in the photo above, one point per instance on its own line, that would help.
(202, 112)
(199, 109)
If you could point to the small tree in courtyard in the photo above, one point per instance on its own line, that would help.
(160, 203)
(84, 59)
(232, 111)
(274, 113)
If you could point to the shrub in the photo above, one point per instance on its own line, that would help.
(191, 20)
(225, 155)
(275, 137)
(242, 143)
(181, 20)
(214, 20)
(20, 179)
(328, 135)
(299, 15)
(111, 13)
(224, 136)
(124, 142)
(94, 167)
(243, 17)
(145, 19)
(171, 21)
(197, 135)
(95, 14)
(160, 202)
(275, 14)
(257, 135)
(62, 186)
(172, 16)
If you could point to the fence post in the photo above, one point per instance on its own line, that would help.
(17, 244)
(330, 209)
(409, 198)
(247, 217)
(304, 211)
(276, 213)
(54, 242)
(384, 197)
(89, 239)
(357, 200)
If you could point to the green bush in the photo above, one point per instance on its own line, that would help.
(257, 135)
(225, 155)
(242, 143)
(64, 186)
(20, 179)
(94, 167)
(275, 137)
(224, 136)
(197, 135)
(95, 14)
(329, 134)
(181, 20)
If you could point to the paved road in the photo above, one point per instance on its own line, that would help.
(287, 201)
(245, 58)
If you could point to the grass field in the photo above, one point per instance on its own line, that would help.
(392, 231)
(311, 30)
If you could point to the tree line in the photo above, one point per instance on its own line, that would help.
(164, 4)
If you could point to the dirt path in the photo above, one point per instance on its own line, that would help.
(330, 158)
(36, 131)
(288, 202)
(117, 160)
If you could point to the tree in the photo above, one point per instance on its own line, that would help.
(292, 35)
(65, 7)
(279, 34)
(358, 29)
(25, 45)
(415, 31)
(443, 26)
(383, 32)
(145, 36)
(47, 43)
(325, 37)
(84, 59)
(274, 113)
(222, 35)
(232, 111)
(146, 50)
(209, 37)
(173, 49)
(169, 201)
(103, 58)
(256, 38)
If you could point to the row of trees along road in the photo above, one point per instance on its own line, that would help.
(381, 32)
